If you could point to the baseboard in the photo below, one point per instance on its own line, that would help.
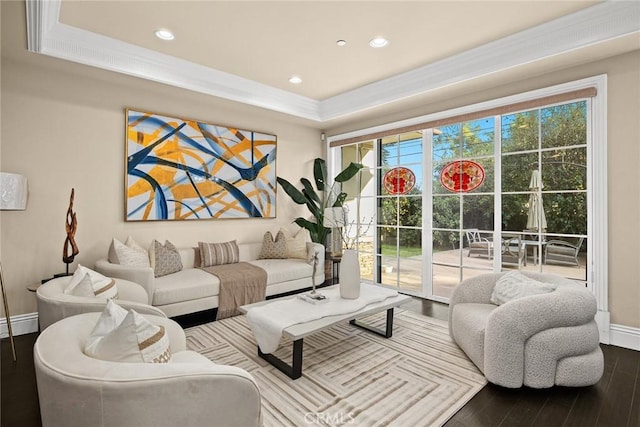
(20, 325)
(625, 336)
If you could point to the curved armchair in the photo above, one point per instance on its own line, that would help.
(54, 304)
(76, 390)
(537, 341)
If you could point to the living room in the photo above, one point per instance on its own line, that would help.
(57, 113)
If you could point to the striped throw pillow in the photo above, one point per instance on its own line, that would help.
(218, 253)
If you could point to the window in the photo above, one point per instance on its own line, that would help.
(541, 206)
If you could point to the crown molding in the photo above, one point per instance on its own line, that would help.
(593, 25)
(596, 24)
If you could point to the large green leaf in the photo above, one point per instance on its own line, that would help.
(320, 174)
(316, 232)
(309, 191)
(314, 208)
(292, 191)
(340, 200)
(349, 172)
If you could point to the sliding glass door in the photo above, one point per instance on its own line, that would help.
(431, 208)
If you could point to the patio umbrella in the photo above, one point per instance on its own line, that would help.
(536, 220)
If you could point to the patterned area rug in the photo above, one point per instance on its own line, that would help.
(353, 377)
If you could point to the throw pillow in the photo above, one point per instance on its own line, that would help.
(109, 320)
(273, 249)
(130, 254)
(88, 283)
(218, 253)
(166, 259)
(135, 339)
(514, 285)
(296, 244)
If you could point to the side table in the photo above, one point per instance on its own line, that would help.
(335, 268)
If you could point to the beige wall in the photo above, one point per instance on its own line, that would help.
(623, 159)
(63, 127)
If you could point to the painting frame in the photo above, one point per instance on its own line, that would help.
(180, 169)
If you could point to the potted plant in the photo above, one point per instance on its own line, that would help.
(332, 196)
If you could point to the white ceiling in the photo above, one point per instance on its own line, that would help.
(270, 41)
(246, 51)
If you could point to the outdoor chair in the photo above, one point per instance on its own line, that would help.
(562, 252)
(479, 245)
(512, 250)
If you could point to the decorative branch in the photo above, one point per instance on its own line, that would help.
(363, 228)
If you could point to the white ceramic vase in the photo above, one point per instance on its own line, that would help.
(349, 274)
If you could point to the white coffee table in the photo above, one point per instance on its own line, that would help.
(298, 331)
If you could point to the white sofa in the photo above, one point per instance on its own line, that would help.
(192, 289)
(76, 390)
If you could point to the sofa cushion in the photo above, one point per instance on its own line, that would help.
(218, 253)
(185, 285)
(514, 285)
(296, 244)
(273, 248)
(128, 253)
(284, 270)
(469, 322)
(167, 258)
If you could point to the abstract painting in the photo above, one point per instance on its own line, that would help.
(179, 169)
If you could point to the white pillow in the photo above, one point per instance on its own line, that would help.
(132, 244)
(296, 244)
(135, 339)
(514, 285)
(88, 283)
(129, 253)
(111, 317)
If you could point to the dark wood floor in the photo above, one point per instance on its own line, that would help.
(614, 401)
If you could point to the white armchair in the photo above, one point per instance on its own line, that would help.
(54, 304)
(76, 390)
(537, 341)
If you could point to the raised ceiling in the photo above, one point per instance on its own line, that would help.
(270, 41)
(246, 51)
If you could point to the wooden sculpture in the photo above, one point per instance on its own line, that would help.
(71, 226)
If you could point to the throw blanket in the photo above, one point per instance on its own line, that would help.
(240, 283)
(268, 321)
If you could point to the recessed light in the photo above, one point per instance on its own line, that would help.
(378, 42)
(164, 35)
(295, 80)
(341, 43)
